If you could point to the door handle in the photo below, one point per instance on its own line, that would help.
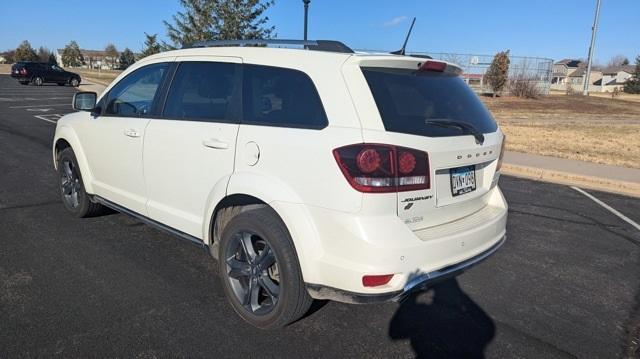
(131, 132)
(215, 143)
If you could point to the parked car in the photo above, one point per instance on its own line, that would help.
(39, 73)
(308, 174)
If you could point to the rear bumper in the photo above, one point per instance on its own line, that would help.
(420, 282)
(337, 249)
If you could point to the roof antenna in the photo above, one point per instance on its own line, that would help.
(404, 46)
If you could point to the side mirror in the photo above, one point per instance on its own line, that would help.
(84, 101)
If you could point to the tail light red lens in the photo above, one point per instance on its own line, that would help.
(376, 280)
(368, 160)
(378, 168)
(406, 162)
(23, 71)
(499, 166)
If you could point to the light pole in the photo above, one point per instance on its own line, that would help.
(594, 29)
(306, 13)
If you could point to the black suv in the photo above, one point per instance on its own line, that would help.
(38, 73)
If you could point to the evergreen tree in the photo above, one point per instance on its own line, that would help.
(151, 45)
(71, 55)
(243, 20)
(498, 72)
(633, 83)
(111, 52)
(127, 58)
(203, 20)
(25, 52)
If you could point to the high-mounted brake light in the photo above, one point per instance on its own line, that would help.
(378, 168)
(433, 66)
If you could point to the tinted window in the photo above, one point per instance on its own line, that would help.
(203, 91)
(281, 97)
(406, 99)
(133, 95)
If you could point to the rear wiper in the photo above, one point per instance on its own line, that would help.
(466, 128)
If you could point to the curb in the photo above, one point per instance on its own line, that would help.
(97, 81)
(589, 182)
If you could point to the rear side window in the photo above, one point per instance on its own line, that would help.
(276, 96)
(407, 99)
(134, 94)
(203, 91)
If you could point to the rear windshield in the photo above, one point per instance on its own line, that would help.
(408, 99)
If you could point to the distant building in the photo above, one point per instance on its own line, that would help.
(561, 72)
(576, 79)
(615, 77)
(94, 59)
(3, 60)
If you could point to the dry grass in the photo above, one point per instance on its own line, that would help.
(594, 129)
(103, 77)
(5, 69)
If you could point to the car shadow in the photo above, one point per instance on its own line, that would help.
(443, 322)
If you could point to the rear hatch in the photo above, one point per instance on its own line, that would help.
(18, 70)
(425, 105)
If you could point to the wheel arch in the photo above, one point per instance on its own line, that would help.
(66, 138)
(257, 190)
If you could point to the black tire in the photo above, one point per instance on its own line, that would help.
(76, 201)
(38, 81)
(266, 231)
(75, 82)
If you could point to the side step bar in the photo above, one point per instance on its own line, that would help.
(149, 221)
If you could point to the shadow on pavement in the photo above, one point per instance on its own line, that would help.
(443, 322)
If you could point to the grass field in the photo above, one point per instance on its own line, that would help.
(594, 129)
(103, 77)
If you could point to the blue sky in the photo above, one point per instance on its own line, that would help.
(544, 28)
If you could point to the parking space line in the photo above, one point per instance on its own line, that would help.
(609, 208)
(44, 118)
(27, 106)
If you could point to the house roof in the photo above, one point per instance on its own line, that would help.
(569, 62)
(613, 70)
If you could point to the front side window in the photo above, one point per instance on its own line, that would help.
(204, 91)
(275, 96)
(134, 95)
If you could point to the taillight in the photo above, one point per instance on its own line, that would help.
(504, 140)
(377, 168)
(23, 71)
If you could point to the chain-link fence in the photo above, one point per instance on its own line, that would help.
(533, 69)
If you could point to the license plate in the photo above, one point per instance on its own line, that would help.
(463, 180)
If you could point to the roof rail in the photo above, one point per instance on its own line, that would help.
(317, 45)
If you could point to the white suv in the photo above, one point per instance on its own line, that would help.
(314, 172)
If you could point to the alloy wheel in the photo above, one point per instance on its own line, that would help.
(252, 271)
(70, 183)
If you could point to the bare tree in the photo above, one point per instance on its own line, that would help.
(112, 53)
(618, 60)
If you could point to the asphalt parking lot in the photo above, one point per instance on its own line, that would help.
(565, 284)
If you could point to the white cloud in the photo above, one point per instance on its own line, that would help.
(395, 21)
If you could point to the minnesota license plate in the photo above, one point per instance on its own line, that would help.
(463, 180)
